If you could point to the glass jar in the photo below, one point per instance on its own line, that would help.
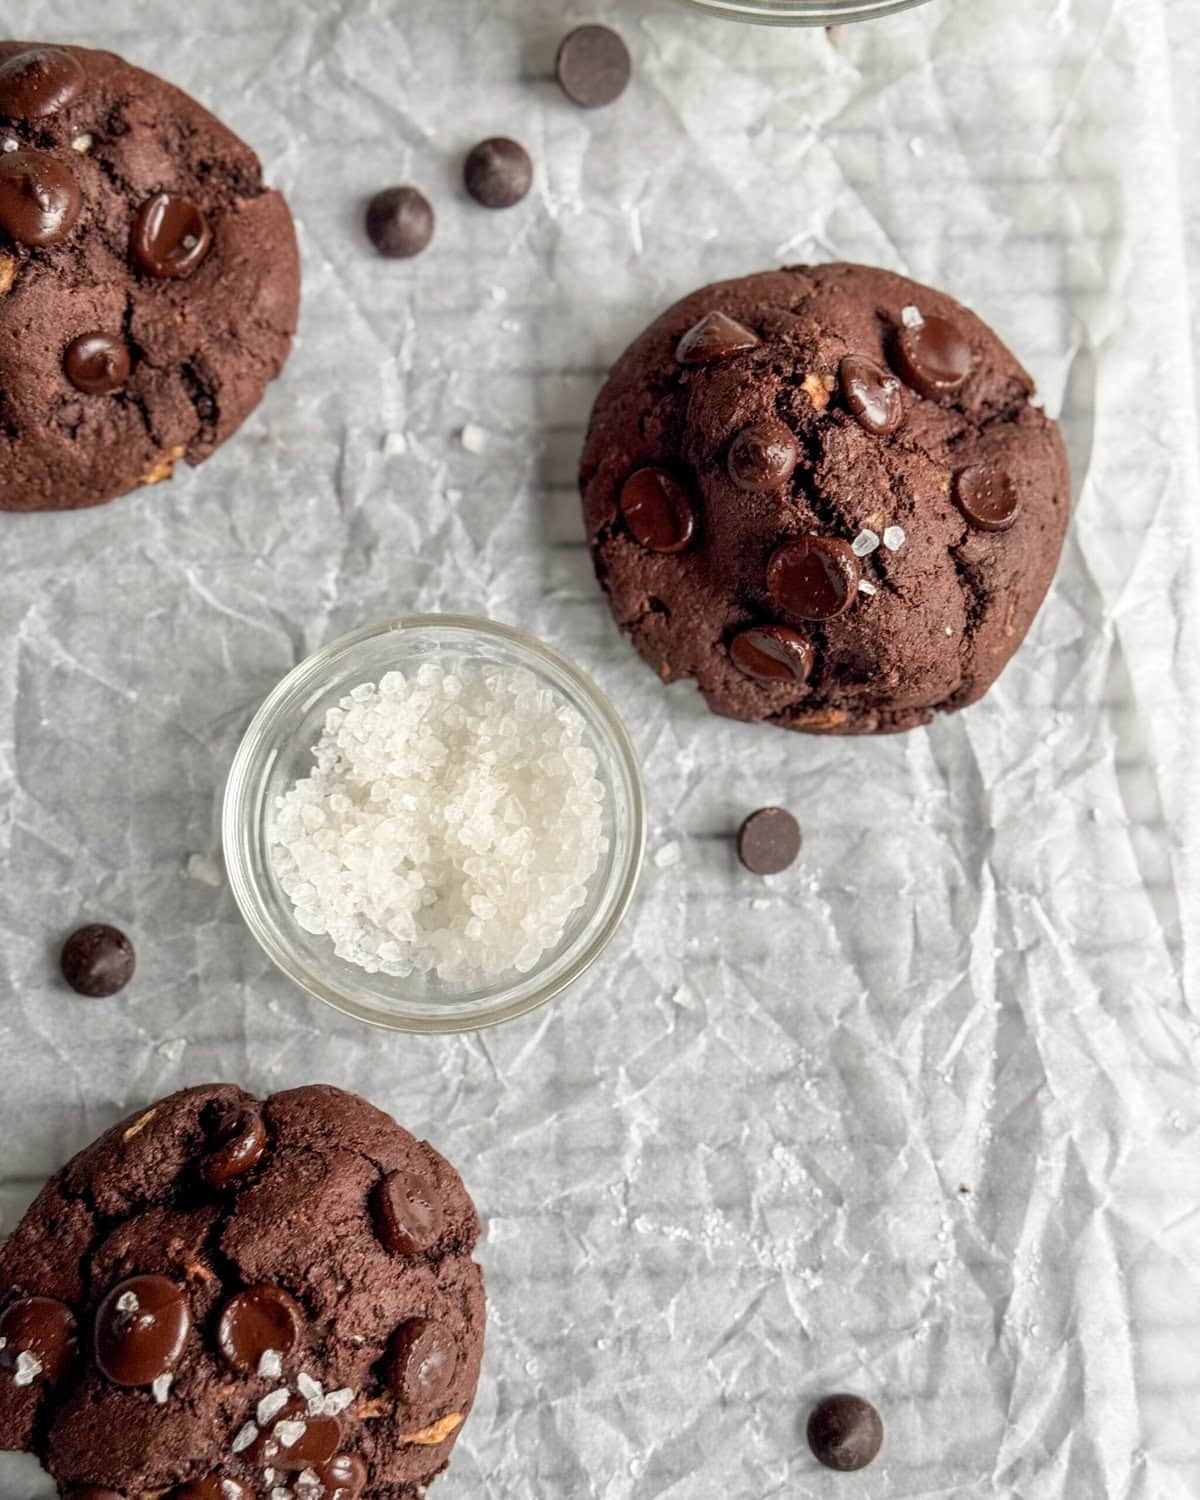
(802, 12)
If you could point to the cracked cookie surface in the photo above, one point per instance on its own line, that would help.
(826, 494)
(149, 282)
(240, 1299)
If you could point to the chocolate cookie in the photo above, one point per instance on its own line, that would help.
(228, 1299)
(149, 282)
(827, 495)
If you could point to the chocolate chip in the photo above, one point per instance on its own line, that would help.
(762, 457)
(238, 1137)
(813, 577)
(421, 1366)
(658, 510)
(932, 357)
(715, 336)
(212, 1487)
(141, 1329)
(772, 653)
(845, 1433)
(498, 172)
(97, 363)
(256, 1321)
(98, 961)
(39, 82)
(987, 497)
(171, 236)
(344, 1477)
(593, 66)
(44, 1330)
(872, 394)
(39, 198)
(92, 1492)
(768, 841)
(400, 222)
(310, 1440)
(408, 1215)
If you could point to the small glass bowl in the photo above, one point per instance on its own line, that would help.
(277, 750)
(802, 12)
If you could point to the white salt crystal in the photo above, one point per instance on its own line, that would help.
(309, 1388)
(394, 444)
(911, 317)
(28, 1368)
(127, 1302)
(12, 145)
(866, 588)
(949, 629)
(82, 143)
(270, 1406)
(270, 1366)
(280, 1493)
(667, 856)
(290, 1433)
(474, 438)
(245, 1437)
(162, 1388)
(337, 1401)
(864, 542)
(894, 538)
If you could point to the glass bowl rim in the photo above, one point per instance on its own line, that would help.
(789, 13)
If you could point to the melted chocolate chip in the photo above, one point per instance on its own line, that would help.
(932, 357)
(421, 1367)
(987, 497)
(311, 1440)
(772, 653)
(344, 1477)
(762, 457)
(39, 82)
(408, 1215)
(768, 841)
(42, 1328)
(238, 1137)
(658, 510)
(212, 1487)
(813, 577)
(400, 222)
(92, 1492)
(593, 66)
(872, 394)
(715, 336)
(98, 961)
(171, 236)
(261, 1319)
(39, 198)
(845, 1433)
(97, 363)
(141, 1329)
(498, 172)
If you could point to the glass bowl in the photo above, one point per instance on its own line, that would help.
(802, 12)
(277, 750)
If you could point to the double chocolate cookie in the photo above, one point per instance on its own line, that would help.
(827, 494)
(149, 282)
(222, 1300)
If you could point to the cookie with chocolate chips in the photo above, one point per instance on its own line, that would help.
(827, 495)
(149, 281)
(223, 1298)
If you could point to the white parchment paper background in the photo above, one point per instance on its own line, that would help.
(921, 1117)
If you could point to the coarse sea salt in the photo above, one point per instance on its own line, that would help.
(450, 825)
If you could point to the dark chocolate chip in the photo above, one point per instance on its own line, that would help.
(344, 1477)
(872, 394)
(762, 457)
(141, 1329)
(39, 82)
(768, 841)
(400, 222)
(408, 1215)
(845, 1433)
(715, 336)
(658, 510)
(421, 1366)
(98, 961)
(987, 497)
(593, 66)
(211, 1487)
(316, 1444)
(42, 1328)
(238, 1138)
(97, 363)
(39, 197)
(92, 1492)
(498, 172)
(772, 653)
(813, 577)
(171, 236)
(932, 357)
(254, 1322)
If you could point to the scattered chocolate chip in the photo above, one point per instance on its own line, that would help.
(98, 961)
(171, 236)
(141, 1329)
(421, 1366)
(39, 198)
(987, 497)
(658, 510)
(92, 1492)
(297, 1440)
(212, 1487)
(97, 363)
(498, 172)
(344, 1477)
(408, 1214)
(39, 82)
(768, 841)
(872, 394)
(932, 357)
(813, 577)
(37, 1339)
(238, 1138)
(845, 1433)
(400, 222)
(762, 457)
(258, 1320)
(772, 653)
(593, 66)
(715, 336)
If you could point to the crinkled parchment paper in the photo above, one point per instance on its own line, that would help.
(919, 1118)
